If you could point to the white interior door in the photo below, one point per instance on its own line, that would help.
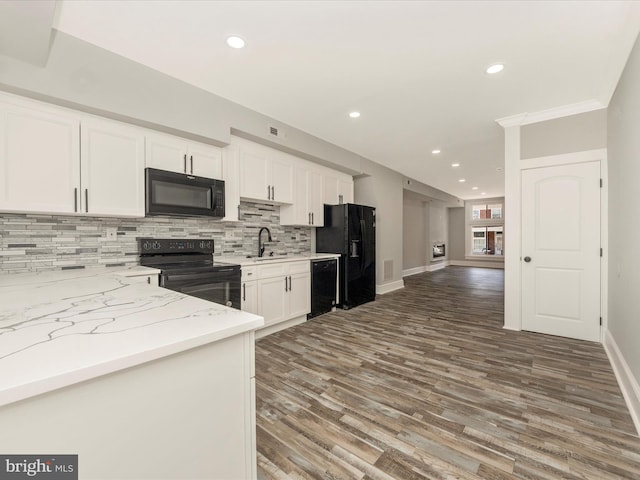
(561, 250)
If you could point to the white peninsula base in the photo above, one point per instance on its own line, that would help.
(184, 416)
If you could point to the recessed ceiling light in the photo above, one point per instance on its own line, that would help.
(235, 42)
(462, 180)
(435, 152)
(474, 188)
(354, 114)
(483, 193)
(495, 68)
(454, 165)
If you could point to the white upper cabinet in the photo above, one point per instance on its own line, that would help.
(265, 174)
(112, 168)
(54, 161)
(231, 177)
(307, 208)
(175, 154)
(39, 160)
(337, 188)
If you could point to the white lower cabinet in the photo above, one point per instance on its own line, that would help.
(249, 293)
(282, 291)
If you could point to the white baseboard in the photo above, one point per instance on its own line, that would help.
(414, 271)
(263, 332)
(425, 268)
(627, 382)
(389, 287)
(472, 263)
(438, 266)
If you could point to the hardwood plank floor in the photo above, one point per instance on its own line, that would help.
(425, 383)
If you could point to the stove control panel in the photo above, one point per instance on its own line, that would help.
(155, 246)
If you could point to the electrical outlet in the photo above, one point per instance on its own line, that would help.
(228, 234)
(112, 233)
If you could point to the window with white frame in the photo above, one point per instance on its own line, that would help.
(485, 227)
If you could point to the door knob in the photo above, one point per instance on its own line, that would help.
(527, 259)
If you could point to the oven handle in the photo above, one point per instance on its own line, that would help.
(197, 276)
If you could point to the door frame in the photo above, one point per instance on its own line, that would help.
(514, 322)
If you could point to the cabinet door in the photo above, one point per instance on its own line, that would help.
(204, 160)
(298, 212)
(250, 297)
(231, 177)
(39, 160)
(330, 189)
(254, 174)
(112, 169)
(315, 203)
(272, 301)
(299, 294)
(166, 152)
(345, 190)
(282, 179)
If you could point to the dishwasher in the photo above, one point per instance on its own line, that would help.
(324, 275)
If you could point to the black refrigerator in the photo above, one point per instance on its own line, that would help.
(350, 230)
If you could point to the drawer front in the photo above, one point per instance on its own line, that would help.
(249, 273)
(299, 267)
(272, 270)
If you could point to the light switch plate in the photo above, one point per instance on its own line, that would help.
(112, 233)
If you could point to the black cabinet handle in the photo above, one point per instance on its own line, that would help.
(244, 292)
(268, 192)
(527, 259)
(289, 282)
(191, 157)
(185, 163)
(75, 199)
(86, 200)
(273, 192)
(286, 288)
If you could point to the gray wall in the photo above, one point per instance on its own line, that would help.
(457, 224)
(575, 133)
(624, 213)
(415, 225)
(383, 190)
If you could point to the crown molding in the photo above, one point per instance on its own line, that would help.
(550, 114)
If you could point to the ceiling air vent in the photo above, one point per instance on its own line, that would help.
(277, 132)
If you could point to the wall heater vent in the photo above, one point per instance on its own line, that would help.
(388, 270)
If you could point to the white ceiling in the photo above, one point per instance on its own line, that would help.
(414, 69)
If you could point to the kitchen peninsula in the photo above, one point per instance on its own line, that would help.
(139, 381)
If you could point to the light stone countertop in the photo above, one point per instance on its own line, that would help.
(255, 260)
(63, 327)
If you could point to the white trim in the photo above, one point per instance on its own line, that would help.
(437, 266)
(564, 159)
(414, 271)
(426, 268)
(389, 287)
(268, 330)
(527, 118)
(511, 121)
(627, 382)
(472, 263)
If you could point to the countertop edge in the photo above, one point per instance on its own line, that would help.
(91, 372)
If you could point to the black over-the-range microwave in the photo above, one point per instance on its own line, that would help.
(171, 193)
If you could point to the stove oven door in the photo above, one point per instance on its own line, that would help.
(219, 286)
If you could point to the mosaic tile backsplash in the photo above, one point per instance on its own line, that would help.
(30, 243)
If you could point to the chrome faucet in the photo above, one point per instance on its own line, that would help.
(260, 244)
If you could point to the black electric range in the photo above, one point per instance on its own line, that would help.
(187, 266)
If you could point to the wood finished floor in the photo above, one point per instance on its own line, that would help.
(424, 383)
